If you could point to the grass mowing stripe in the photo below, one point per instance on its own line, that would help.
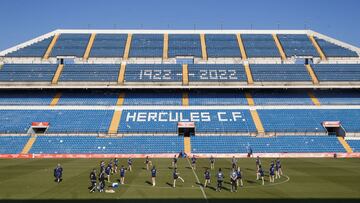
(197, 179)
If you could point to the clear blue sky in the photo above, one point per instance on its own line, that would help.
(26, 19)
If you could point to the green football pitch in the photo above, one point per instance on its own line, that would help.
(304, 179)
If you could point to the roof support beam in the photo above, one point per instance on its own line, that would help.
(121, 76)
(89, 46)
(166, 46)
(57, 74)
(279, 46)
(203, 47)
(185, 73)
(317, 47)
(241, 47)
(127, 47)
(51, 46)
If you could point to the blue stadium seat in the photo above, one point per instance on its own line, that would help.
(157, 98)
(354, 144)
(260, 46)
(308, 120)
(337, 72)
(108, 45)
(279, 72)
(12, 144)
(333, 50)
(222, 45)
(37, 49)
(26, 97)
(27, 72)
(146, 45)
(184, 45)
(98, 145)
(223, 97)
(90, 72)
(279, 144)
(71, 45)
(281, 97)
(88, 97)
(61, 121)
(297, 45)
(338, 97)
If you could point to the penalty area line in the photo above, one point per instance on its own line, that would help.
(197, 179)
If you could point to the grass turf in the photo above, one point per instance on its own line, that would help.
(316, 179)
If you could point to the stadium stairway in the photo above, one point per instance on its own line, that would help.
(345, 145)
(250, 79)
(121, 74)
(89, 46)
(127, 47)
(279, 46)
(56, 99)
(185, 98)
(115, 121)
(166, 46)
(185, 73)
(57, 74)
(187, 145)
(312, 74)
(203, 47)
(51, 46)
(241, 47)
(254, 114)
(29, 144)
(317, 47)
(313, 98)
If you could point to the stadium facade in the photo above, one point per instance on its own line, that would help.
(106, 93)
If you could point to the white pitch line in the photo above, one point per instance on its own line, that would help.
(197, 179)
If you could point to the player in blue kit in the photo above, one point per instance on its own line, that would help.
(58, 171)
(212, 162)
(147, 162)
(174, 162)
(102, 181)
(102, 166)
(153, 176)
(272, 174)
(220, 179)
(116, 164)
(130, 162)
(93, 180)
(278, 171)
(233, 162)
(193, 162)
(258, 162)
(122, 175)
(260, 173)
(107, 172)
(233, 179)
(239, 177)
(207, 177)
(176, 176)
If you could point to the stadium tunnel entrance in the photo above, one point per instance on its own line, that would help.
(38, 127)
(334, 128)
(186, 129)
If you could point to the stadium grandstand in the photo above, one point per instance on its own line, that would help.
(284, 93)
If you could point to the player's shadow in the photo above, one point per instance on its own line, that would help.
(251, 181)
(249, 169)
(169, 184)
(148, 182)
(188, 167)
